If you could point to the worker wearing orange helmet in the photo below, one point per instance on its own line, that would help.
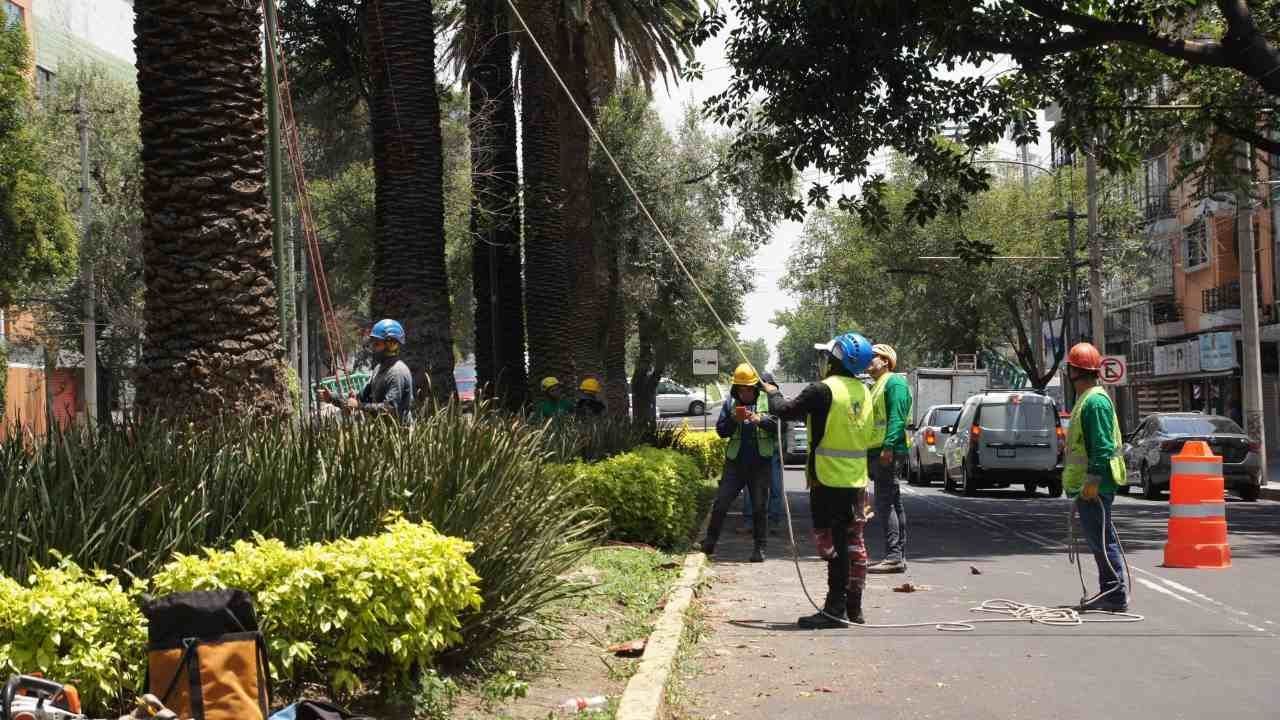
(1093, 469)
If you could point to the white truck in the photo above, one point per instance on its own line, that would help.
(944, 386)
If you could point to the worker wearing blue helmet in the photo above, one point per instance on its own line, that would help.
(838, 412)
(390, 390)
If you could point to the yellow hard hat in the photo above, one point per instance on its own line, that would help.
(887, 352)
(548, 383)
(745, 375)
(590, 385)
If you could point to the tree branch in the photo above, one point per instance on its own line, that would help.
(1094, 32)
(1249, 135)
(1255, 56)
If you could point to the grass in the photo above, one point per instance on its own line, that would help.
(630, 583)
(686, 664)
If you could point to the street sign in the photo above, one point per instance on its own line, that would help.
(706, 362)
(1114, 371)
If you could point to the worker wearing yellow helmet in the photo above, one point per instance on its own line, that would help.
(748, 457)
(552, 403)
(590, 404)
(887, 458)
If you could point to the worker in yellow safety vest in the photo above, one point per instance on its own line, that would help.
(837, 411)
(890, 443)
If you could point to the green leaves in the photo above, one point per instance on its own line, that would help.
(348, 612)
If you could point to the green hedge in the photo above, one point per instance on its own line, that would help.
(76, 627)
(706, 448)
(348, 610)
(652, 496)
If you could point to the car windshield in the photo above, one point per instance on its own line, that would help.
(945, 417)
(1018, 416)
(1198, 425)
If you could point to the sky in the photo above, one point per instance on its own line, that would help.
(771, 260)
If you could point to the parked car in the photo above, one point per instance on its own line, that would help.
(675, 399)
(924, 462)
(795, 443)
(1148, 452)
(1004, 438)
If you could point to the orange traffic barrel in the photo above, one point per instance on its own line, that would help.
(1197, 511)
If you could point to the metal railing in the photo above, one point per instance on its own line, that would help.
(1162, 313)
(1157, 203)
(1223, 297)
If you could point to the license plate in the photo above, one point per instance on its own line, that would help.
(1006, 452)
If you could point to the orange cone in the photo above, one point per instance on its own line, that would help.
(1197, 512)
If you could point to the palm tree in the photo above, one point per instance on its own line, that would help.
(547, 286)
(410, 282)
(495, 208)
(212, 342)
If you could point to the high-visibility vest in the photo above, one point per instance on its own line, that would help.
(1076, 465)
(880, 414)
(840, 459)
(764, 439)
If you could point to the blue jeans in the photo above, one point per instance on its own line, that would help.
(1094, 520)
(889, 511)
(775, 495)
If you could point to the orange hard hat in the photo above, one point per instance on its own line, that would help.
(1085, 356)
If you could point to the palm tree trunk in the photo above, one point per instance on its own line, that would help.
(495, 209)
(590, 272)
(410, 282)
(615, 351)
(547, 268)
(212, 342)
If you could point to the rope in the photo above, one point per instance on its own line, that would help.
(1009, 610)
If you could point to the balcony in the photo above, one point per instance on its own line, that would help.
(1167, 319)
(1157, 203)
(1220, 305)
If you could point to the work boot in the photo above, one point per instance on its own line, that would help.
(757, 555)
(829, 619)
(853, 606)
(888, 566)
(1111, 602)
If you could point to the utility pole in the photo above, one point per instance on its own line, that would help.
(86, 261)
(1251, 379)
(1070, 333)
(1037, 317)
(276, 178)
(1097, 313)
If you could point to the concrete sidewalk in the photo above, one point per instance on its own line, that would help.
(1271, 490)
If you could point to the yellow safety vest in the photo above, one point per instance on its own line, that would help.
(880, 413)
(1076, 465)
(765, 441)
(840, 459)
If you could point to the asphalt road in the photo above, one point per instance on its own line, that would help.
(695, 421)
(1208, 647)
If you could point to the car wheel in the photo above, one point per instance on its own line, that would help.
(1030, 486)
(948, 485)
(1149, 489)
(969, 488)
(915, 474)
(1249, 493)
(697, 408)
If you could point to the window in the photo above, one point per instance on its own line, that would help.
(1207, 425)
(1195, 245)
(1018, 416)
(12, 14)
(942, 417)
(45, 86)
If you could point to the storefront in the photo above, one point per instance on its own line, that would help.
(1199, 375)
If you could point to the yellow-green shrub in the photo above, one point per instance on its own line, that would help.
(350, 611)
(706, 448)
(76, 627)
(652, 496)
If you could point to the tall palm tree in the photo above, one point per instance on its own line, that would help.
(547, 286)
(495, 208)
(410, 282)
(212, 342)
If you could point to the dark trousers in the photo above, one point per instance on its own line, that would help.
(893, 519)
(1100, 533)
(736, 475)
(838, 511)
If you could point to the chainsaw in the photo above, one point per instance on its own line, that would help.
(27, 697)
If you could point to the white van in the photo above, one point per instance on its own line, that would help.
(1004, 438)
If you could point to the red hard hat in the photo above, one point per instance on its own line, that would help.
(1085, 356)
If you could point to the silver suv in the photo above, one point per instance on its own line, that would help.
(1004, 438)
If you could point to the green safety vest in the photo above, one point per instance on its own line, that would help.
(764, 439)
(840, 460)
(880, 414)
(1076, 465)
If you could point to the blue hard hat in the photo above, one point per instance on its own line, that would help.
(387, 330)
(853, 351)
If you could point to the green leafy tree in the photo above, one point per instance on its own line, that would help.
(894, 74)
(758, 353)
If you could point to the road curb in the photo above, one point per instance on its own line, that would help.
(1269, 493)
(645, 692)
